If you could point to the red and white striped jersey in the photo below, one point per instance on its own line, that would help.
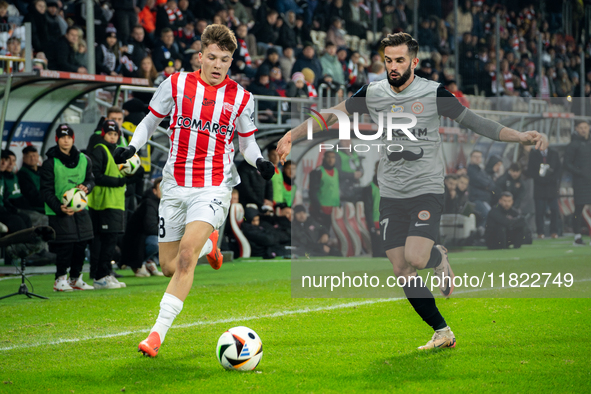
(203, 119)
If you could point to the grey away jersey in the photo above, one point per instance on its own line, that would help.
(419, 170)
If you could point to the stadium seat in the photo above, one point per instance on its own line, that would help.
(353, 228)
(566, 202)
(363, 48)
(361, 222)
(340, 229)
(321, 39)
(236, 219)
(314, 36)
(456, 227)
(355, 43)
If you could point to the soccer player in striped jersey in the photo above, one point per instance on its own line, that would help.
(206, 110)
(411, 180)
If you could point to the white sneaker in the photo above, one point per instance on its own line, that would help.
(153, 269)
(441, 339)
(61, 284)
(104, 283)
(142, 272)
(79, 284)
(114, 281)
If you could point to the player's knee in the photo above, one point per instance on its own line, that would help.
(185, 260)
(416, 260)
(167, 270)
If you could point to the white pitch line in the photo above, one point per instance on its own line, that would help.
(246, 318)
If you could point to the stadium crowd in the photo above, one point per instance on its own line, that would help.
(289, 48)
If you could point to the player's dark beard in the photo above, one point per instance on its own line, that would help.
(400, 81)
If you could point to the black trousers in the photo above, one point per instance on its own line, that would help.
(578, 218)
(15, 221)
(504, 236)
(102, 248)
(69, 255)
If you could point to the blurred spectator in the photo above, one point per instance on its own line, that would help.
(350, 169)
(480, 189)
(324, 189)
(240, 11)
(310, 77)
(187, 13)
(140, 242)
(287, 61)
(167, 72)
(263, 86)
(147, 70)
(308, 236)
(426, 69)
(297, 86)
(451, 197)
(207, 9)
(307, 59)
(165, 50)
(253, 189)
(336, 33)
(577, 160)
(66, 167)
(377, 73)
(186, 36)
(504, 225)
(194, 62)
(242, 62)
(357, 20)
(29, 179)
(14, 49)
(272, 59)
(563, 84)
(356, 70)
(125, 17)
(331, 65)
(265, 31)
(512, 182)
(426, 36)
(56, 25)
(170, 16)
(64, 58)
(545, 169)
(107, 54)
(147, 17)
(276, 78)
(39, 22)
(135, 52)
(465, 21)
(452, 86)
(302, 32)
(3, 12)
(462, 190)
(102, 16)
(287, 35)
(264, 240)
(9, 215)
(494, 167)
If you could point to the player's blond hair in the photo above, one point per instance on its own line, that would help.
(220, 35)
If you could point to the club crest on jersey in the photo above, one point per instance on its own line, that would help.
(194, 124)
(417, 107)
(208, 103)
(424, 215)
(397, 108)
(228, 107)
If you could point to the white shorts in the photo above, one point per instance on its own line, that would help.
(180, 206)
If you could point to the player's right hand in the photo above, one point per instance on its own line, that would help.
(121, 155)
(284, 147)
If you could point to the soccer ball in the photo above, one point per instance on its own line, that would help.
(130, 166)
(75, 199)
(239, 349)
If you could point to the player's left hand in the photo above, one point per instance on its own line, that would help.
(534, 138)
(83, 188)
(266, 168)
(121, 155)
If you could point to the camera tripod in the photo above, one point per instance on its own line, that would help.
(31, 235)
(23, 289)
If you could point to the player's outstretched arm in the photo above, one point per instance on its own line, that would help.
(498, 132)
(142, 134)
(284, 144)
(253, 156)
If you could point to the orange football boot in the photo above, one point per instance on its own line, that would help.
(150, 345)
(214, 257)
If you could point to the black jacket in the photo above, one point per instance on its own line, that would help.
(262, 238)
(506, 183)
(481, 185)
(253, 188)
(143, 222)
(499, 218)
(577, 160)
(545, 187)
(305, 237)
(64, 57)
(162, 55)
(29, 189)
(77, 227)
(113, 219)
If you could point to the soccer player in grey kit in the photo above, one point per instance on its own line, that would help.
(411, 181)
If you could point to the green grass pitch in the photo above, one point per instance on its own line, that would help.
(86, 342)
